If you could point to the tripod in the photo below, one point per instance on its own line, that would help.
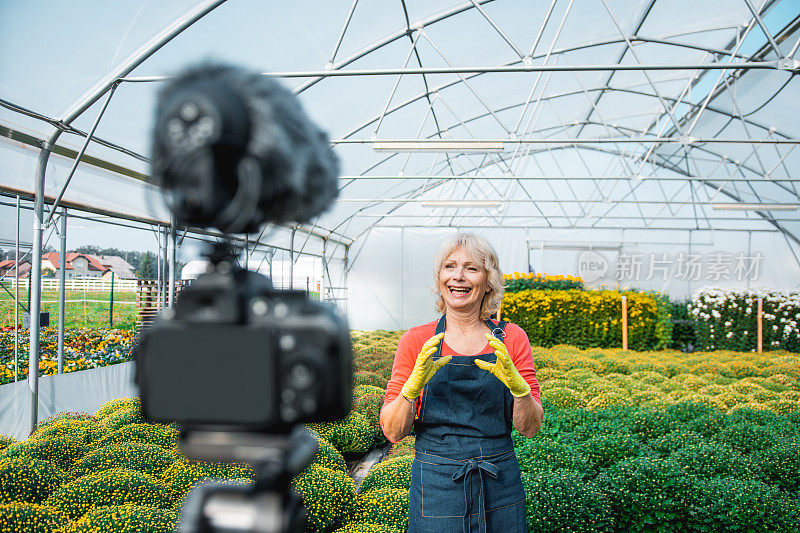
(268, 505)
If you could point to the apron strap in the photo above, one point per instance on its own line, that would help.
(440, 326)
(498, 328)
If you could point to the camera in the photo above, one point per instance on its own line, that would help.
(239, 355)
(236, 363)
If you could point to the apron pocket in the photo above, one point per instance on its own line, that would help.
(508, 519)
(506, 489)
(441, 496)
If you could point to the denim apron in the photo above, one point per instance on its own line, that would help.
(465, 477)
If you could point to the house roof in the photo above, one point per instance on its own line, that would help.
(114, 262)
(9, 263)
(7, 266)
(118, 265)
(55, 260)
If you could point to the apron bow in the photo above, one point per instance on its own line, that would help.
(465, 474)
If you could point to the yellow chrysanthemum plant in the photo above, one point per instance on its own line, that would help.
(541, 281)
(128, 518)
(573, 378)
(582, 318)
(28, 517)
(328, 496)
(394, 473)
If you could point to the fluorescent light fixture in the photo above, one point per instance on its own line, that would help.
(461, 203)
(464, 147)
(756, 207)
(539, 244)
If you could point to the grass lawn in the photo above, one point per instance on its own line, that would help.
(83, 308)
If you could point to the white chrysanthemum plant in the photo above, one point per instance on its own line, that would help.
(725, 318)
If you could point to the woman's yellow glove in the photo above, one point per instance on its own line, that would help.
(424, 367)
(504, 368)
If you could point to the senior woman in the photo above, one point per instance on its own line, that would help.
(462, 382)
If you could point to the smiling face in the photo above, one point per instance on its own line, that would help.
(462, 282)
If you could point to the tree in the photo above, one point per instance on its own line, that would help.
(88, 249)
(147, 267)
(48, 272)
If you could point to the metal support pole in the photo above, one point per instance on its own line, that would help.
(62, 277)
(80, 155)
(16, 300)
(35, 284)
(760, 21)
(541, 265)
(346, 270)
(756, 65)
(291, 260)
(324, 270)
(271, 257)
(172, 243)
(158, 268)
(111, 303)
(689, 278)
(624, 322)
(759, 318)
(246, 251)
(165, 267)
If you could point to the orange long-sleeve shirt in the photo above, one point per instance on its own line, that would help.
(516, 341)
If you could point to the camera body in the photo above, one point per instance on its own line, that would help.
(237, 355)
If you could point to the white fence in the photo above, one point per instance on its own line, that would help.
(79, 284)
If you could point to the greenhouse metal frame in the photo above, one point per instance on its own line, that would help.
(653, 121)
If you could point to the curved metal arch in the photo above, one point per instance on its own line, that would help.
(572, 93)
(136, 58)
(700, 147)
(674, 168)
(607, 150)
(733, 196)
(719, 90)
(408, 29)
(742, 166)
(668, 166)
(399, 34)
(100, 88)
(420, 96)
(380, 43)
(81, 105)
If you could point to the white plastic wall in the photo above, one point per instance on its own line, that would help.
(76, 392)
(390, 280)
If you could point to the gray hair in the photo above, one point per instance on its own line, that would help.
(483, 252)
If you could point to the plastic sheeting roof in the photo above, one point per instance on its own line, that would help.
(600, 129)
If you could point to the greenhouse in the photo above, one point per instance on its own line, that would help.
(631, 163)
